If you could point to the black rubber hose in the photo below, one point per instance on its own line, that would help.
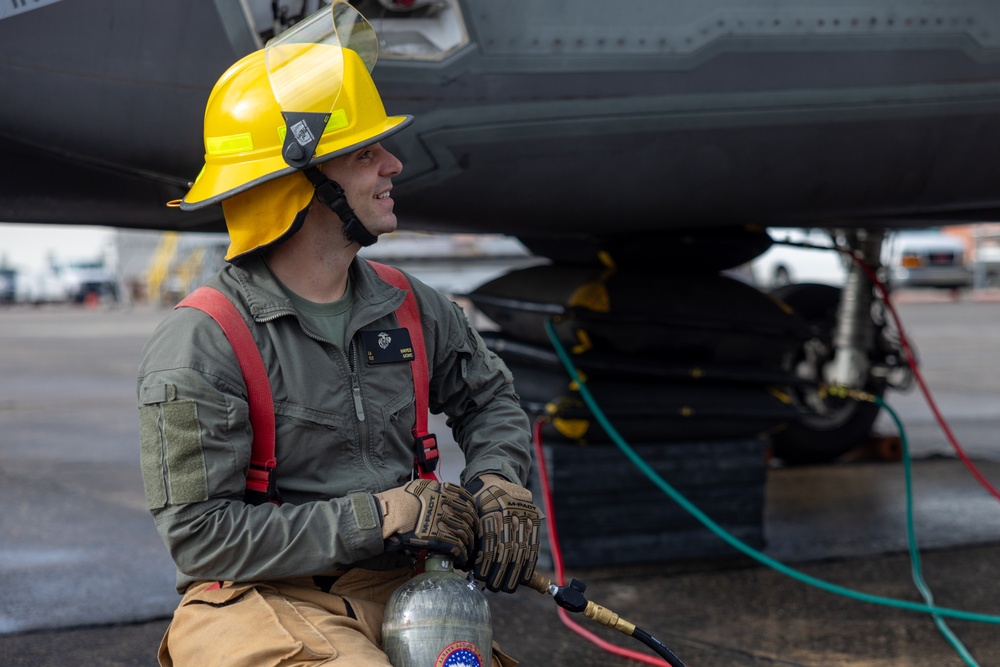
(657, 647)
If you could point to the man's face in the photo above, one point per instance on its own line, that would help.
(366, 177)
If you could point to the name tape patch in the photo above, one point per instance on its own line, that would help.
(387, 346)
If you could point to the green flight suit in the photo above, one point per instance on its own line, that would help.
(343, 428)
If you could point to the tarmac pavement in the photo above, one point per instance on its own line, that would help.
(85, 579)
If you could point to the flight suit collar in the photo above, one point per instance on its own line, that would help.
(266, 301)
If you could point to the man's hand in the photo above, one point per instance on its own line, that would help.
(507, 540)
(424, 514)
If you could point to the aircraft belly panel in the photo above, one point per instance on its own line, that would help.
(787, 131)
(563, 117)
(123, 83)
(45, 188)
(608, 165)
(693, 26)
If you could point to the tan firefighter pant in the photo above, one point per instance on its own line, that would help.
(287, 623)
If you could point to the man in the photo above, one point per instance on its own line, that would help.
(303, 579)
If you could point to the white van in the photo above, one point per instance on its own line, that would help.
(926, 258)
(912, 257)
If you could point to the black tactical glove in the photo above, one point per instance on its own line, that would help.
(507, 540)
(424, 514)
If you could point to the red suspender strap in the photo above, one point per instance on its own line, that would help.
(408, 315)
(261, 483)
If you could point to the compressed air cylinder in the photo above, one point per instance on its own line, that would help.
(438, 619)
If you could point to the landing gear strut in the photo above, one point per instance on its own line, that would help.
(849, 349)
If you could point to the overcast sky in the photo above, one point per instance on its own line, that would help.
(28, 247)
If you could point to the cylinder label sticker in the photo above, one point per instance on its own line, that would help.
(459, 654)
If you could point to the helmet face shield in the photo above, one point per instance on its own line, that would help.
(305, 67)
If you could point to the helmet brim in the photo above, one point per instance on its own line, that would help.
(209, 187)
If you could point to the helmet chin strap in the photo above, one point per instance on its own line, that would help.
(332, 195)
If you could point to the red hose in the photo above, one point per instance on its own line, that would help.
(557, 562)
(912, 361)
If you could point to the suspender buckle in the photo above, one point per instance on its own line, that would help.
(262, 485)
(427, 452)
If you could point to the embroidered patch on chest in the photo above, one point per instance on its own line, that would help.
(388, 346)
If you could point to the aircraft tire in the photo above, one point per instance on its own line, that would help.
(815, 438)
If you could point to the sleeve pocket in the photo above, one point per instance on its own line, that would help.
(171, 456)
(151, 457)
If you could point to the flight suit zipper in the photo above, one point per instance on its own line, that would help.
(351, 355)
(359, 410)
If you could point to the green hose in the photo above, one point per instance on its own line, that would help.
(915, 567)
(727, 537)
